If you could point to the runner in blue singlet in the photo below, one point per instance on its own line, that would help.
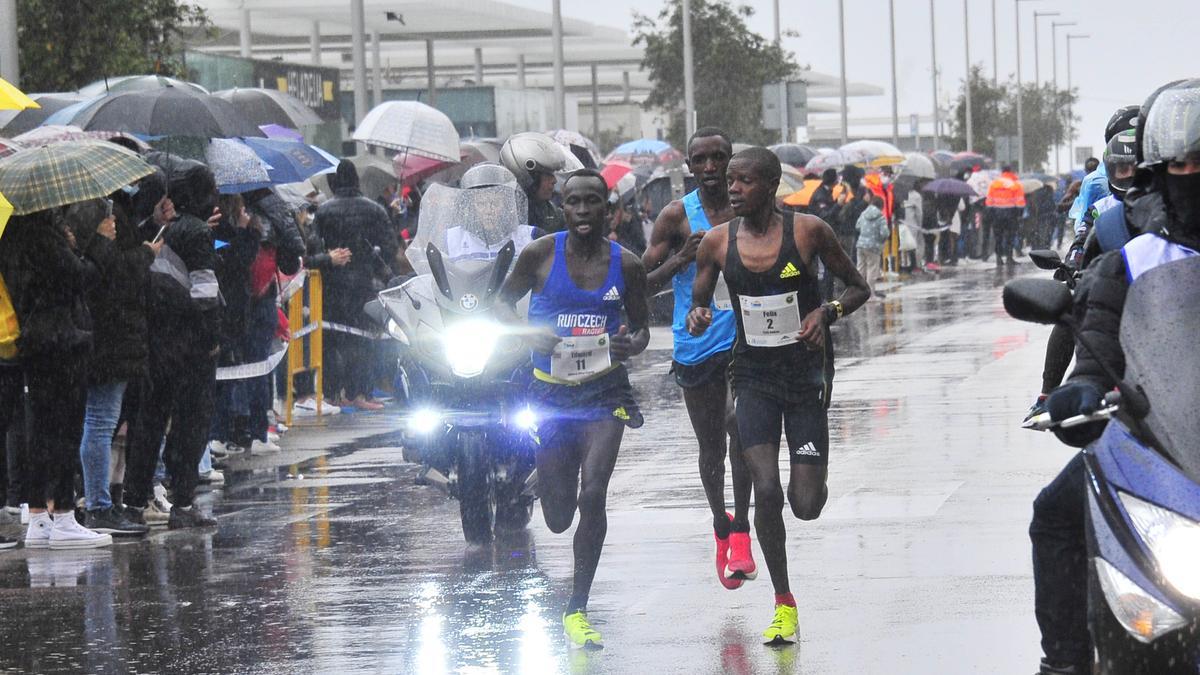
(580, 283)
(701, 362)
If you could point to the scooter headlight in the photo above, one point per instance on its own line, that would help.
(423, 421)
(1142, 615)
(469, 345)
(1173, 539)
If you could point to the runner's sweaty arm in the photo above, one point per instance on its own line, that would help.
(710, 261)
(672, 247)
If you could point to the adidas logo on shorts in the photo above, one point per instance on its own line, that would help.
(612, 295)
(789, 271)
(808, 449)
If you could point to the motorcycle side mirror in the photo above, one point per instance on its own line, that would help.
(500, 267)
(1046, 259)
(1037, 300)
(438, 269)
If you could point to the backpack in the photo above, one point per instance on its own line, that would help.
(10, 328)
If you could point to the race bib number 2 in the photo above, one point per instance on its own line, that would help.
(770, 320)
(578, 358)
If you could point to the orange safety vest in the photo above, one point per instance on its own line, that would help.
(1006, 192)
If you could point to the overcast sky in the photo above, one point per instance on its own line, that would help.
(1157, 35)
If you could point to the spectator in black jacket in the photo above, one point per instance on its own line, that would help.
(352, 221)
(185, 342)
(117, 303)
(47, 280)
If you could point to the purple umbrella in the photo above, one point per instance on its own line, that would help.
(951, 187)
(281, 132)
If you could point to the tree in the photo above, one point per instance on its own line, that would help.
(66, 45)
(731, 63)
(1044, 111)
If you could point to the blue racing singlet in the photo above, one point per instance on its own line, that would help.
(569, 310)
(689, 349)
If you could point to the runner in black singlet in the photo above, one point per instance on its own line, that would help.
(779, 363)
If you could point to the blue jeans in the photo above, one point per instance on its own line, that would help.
(1060, 565)
(99, 424)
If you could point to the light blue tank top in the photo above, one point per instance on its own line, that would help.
(569, 310)
(689, 349)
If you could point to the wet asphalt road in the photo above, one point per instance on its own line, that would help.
(329, 559)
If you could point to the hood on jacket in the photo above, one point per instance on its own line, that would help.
(192, 187)
(344, 181)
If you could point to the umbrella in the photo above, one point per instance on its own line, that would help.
(375, 174)
(289, 161)
(8, 147)
(45, 135)
(614, 171)
(412, 169)
(12, 98)
(950, 187)
(411, 127)
(235, 166)
(270, 106)
(789, 182)
(1029, 185)
(124, 83)
(646, 151)
(66, 116)
(282, 133)
(478, 150)
(918, 166)
(581, 146)
(803, 196)
(871, 154)
(65, 173)
(13, 122)
(825, 160)
(980, 181)
(6, 210)
(167, 111)
(969, 160)
(796, 154)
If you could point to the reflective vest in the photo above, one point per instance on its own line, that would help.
(1006, 192)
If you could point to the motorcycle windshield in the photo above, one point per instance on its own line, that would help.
(468, 227)
(1160, 335)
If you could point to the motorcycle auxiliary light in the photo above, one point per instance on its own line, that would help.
(423, 421)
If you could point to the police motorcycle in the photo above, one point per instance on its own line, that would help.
(460, 367)
(1143, 473)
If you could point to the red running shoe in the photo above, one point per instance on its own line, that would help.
(741, 561)
(722, 561)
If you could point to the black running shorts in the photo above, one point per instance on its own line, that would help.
(713, 369)
(609, 396)
(761, 418)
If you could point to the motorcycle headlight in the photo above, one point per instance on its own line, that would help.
(525, 419)
(469, 345)
(1173, 539)
(1142, 615)
(423, 421)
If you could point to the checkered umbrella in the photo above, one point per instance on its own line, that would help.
(65, 173)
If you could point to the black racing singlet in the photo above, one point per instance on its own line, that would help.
(769, 307)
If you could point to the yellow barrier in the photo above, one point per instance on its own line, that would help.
(296, 360)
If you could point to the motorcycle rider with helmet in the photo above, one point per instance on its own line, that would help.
(463, 244)
(534, 159)
(1168, 149)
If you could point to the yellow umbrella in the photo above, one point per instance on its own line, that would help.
(6, 210)
(12, 98)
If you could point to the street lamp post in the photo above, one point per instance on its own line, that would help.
(933, 49)
(689, 86)
(1054, 26)
(1071, 108)
(1037, 46)
(842, 43)
(1020, 114)
(967, 38)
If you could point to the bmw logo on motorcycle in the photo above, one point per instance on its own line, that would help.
(468, 302)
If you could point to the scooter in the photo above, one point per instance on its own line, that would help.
(1143, 473)
(461, 370)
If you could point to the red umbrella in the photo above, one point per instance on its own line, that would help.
(8, 147)
(412, 169)
(614, 171)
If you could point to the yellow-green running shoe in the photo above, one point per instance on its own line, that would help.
(783, 628)
(580, 633)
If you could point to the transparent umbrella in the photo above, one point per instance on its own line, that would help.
(410, 127)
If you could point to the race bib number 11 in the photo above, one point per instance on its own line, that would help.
(578, 358)
(770, 320)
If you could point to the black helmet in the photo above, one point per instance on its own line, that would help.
(1125, 119)
(1121, 152)
(1172, 128)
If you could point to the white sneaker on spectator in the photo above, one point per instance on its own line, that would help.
(67, 533)
(272, 437)
(308, 408)
(37, 535)
(213, 477)
(260, 448)
(220, 449)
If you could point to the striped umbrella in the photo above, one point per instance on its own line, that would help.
(65, 173)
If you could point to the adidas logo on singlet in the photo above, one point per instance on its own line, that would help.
(612, 295)
(789, 271)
